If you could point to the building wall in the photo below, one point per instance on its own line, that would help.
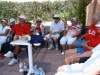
(92, 8)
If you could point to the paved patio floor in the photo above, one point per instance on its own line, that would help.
(49, 60)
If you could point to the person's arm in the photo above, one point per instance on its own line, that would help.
(42, 30)
(6, 32)
(79, 32)
(85, 54)
(78, 56)
(65, 32)
(87, 46)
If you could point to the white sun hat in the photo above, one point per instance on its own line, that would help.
(56, 16)
(12, 20)
(23, 17)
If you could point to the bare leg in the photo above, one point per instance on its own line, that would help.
(63, 48)
(73, 45)
(70, 52)
(69, 46)
(55, 40)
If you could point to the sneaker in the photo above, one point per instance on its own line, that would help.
(51, 47)
(57, 49)
(62, 53)
(13, 61)
(9, 54)
(36, 72)
(41, 72)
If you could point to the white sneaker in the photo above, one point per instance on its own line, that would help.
(62, 53)
(51, 47)
(13, 61)
(57, 49)
(9, 54)
(41, 72)
(36, 72)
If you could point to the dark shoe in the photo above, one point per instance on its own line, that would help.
(1, 56)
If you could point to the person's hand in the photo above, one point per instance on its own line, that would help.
(80, 39)
(16, 37)
(73, 36)
(74, 59)
(54, 33)
(84, 44)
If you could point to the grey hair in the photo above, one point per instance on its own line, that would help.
(75, 19)
(96, 16)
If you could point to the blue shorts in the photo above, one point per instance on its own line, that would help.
(79, 50)
(79, 43)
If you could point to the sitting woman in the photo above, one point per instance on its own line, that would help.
(4, 32)
(39, 28)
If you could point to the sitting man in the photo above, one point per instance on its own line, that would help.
(20, 29)
(90, 34)
(70, 34)
(79, 69)
(55, 29)
(86, 47)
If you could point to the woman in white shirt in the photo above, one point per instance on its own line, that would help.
(4, 32)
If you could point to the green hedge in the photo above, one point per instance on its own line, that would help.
(44, 10)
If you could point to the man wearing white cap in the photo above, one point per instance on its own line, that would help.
(91, 63)
(57, 26)
(22, 28)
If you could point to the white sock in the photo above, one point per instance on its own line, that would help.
(51, 44)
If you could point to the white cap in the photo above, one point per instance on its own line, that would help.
(3, 21)
(38, 19)
(56, 16)
(23, 17)
(97, 25)
(12, 20)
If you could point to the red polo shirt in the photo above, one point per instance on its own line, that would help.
(93, 43)
(92, 32)
(20, 30)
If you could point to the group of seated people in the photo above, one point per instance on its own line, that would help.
(83, 57)
(86, 46)
(15, 31)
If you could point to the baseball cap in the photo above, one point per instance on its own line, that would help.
(3, 21)
(23, 17)
(12, 20)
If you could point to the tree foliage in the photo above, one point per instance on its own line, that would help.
(45, 10)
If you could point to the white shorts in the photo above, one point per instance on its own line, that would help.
(52, 36)
(67, 39)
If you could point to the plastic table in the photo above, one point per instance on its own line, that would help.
(21, 42)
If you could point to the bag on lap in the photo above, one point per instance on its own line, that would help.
(37, 39)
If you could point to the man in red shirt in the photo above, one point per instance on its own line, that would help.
(20, 29)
